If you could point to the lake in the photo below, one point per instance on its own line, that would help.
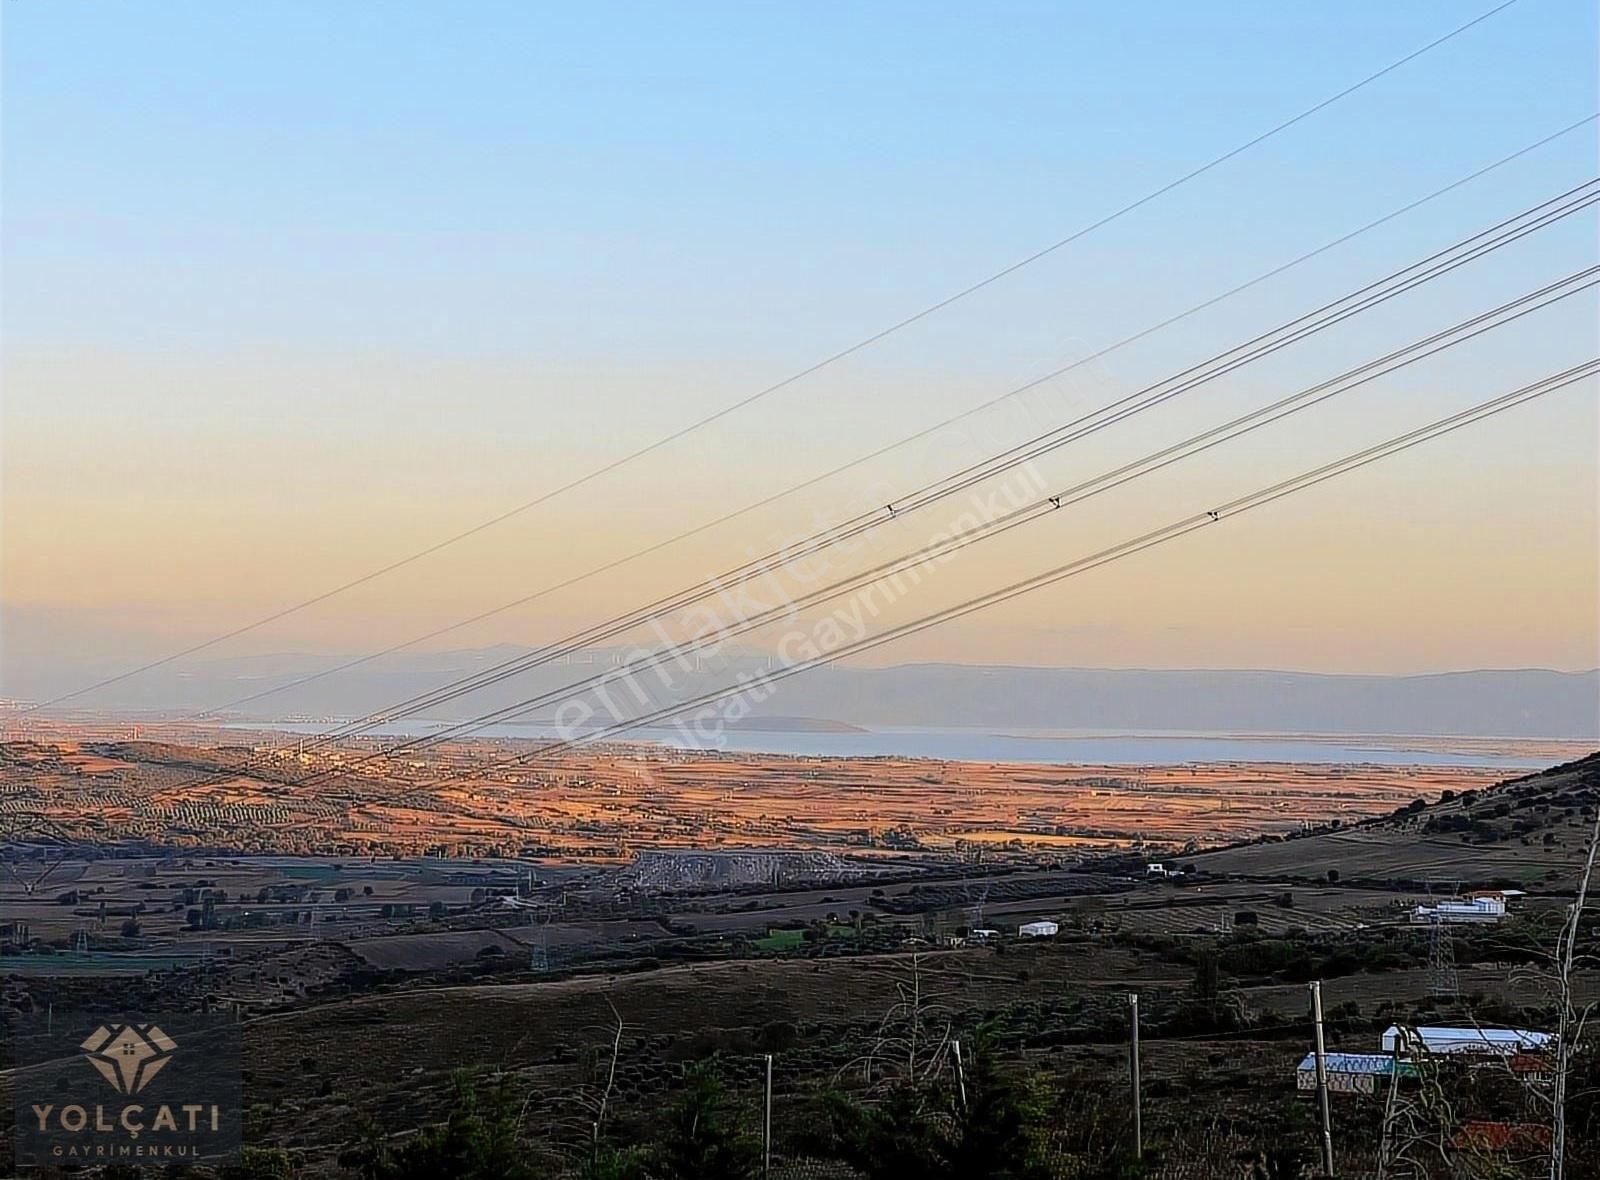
(1058, 747)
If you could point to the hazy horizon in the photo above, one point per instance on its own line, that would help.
(277, 687)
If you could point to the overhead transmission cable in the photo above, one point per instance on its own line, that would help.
(1503, 232)
(1170, 532)
(750, 399)
(1398, 282)
(1044, 505)
(917, 436)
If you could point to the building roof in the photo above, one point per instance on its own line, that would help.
(1466, 1040)
(1372, 1063)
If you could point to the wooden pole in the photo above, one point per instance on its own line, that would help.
(1322, 1079)
(1133, 1070)
(766, 1125)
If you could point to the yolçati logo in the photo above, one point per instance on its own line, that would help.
(129, 1057)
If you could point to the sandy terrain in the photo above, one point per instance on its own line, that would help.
(604, 804)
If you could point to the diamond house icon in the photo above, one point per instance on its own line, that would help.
(129, 1057)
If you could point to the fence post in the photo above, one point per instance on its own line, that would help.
(1133, 1069)
(961, 1074)
(766, 1125)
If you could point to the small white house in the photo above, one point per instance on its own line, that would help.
(1349, 1073)
(1155, 870)
(1039, 930)
(982, 934)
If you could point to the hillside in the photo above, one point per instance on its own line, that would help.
(1529, 831)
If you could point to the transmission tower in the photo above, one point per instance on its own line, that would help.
(1443, 981)
(32, 848)
(975, 912)
(539, 954)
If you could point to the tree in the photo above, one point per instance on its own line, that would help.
(701, 1141)
(1002, 1124)
(613, 1163)
(998, 1131)
(130, 928)
(1207, 974)
(477, 1141)
(1285, 1145)
(259, 1163)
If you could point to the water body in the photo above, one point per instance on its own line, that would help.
(1054, 747)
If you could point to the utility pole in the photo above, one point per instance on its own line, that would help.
(961, 1075)
(1133, 1070)
(1322, 1079)
(766, 1126)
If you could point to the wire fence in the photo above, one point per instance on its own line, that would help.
(1259, 1136)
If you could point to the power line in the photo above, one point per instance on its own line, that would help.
(1045, 505)
(1476, 245)
(1407, 278)
(827, 361)
(881, 451)
(1167, 533)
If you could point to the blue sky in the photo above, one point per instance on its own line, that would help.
(608, 175)
(393, 267)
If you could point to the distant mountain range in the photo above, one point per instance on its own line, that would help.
(1525, 703)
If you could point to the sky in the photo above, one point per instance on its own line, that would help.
(292, 291)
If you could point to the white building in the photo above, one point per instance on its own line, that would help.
(1039, 930)
(1484, 907)
(1348, 1073)
(1503, 1042)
